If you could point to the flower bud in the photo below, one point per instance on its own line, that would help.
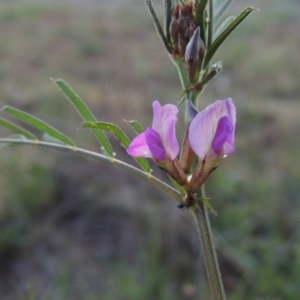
(181, 28)
(193, 55)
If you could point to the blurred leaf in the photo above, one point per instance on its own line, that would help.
(120, 136)
(37, 123)
(48, 138)
(85, 113)
(223, 26)
(224, 35)
(208, 206)
(17, 129)
(137, 126)
(200, 19)
(221, 7)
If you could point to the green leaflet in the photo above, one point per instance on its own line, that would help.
(17, 129)
(220, 9)
(120, 135)
(208, 205)
(223, 26)
(137, 126)
(38, 124)
(224, 35)
(85, 113)
(200, 19)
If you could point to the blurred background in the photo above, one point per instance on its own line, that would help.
(72, 228)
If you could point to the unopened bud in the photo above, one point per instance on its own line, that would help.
(193, 55)
(193, 48)
(181, 28)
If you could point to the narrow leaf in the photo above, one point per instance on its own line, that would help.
(120, 135)
(137, 126)
(218, 4)
(208, 206)
(221, 10)
(210, 23)
(85, 113)
(109, 127)
(168, 17)
(17, 129)
(37, 123)
(223, 26)
(200, 19)
(48, 138)
(158, 26)
(224, 35)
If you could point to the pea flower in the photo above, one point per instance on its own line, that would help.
(211, 137)
(159, 142)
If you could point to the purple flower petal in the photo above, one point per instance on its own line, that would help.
(155, 144)
(203, 129)
(164, 122)
(223, 132)
(139, 147)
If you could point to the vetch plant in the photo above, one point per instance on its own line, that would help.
(193, 31)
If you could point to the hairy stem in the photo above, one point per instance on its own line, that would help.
(201, 216)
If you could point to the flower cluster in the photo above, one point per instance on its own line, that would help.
(209, 136)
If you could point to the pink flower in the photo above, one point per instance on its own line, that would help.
(211, 136)
(159, 141)
(211, 132)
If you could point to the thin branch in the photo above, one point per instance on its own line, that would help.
(175, 195)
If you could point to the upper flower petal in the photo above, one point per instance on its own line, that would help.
(164, 122)
(139, 147)
(206, 129)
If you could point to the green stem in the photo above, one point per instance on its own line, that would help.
(175, 195)
(201, 216)
(182, 73)
(199, 210)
